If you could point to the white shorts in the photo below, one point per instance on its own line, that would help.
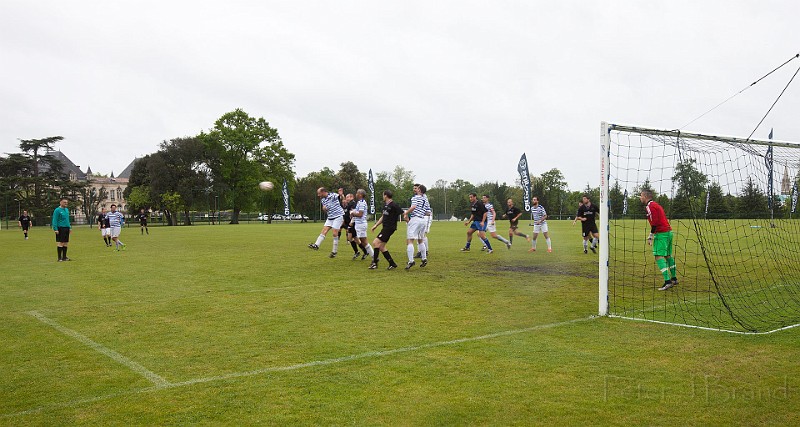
(115, 231)
(105, 231)
(491, 227)
(416, 228)
(335, 223)
(540, 228)
(361, 230)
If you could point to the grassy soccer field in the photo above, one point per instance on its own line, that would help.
(245, 325)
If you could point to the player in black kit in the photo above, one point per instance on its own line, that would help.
(25, 223)
(104, 225)
(587, 215)
(142, 217)
(391, 215)
(513, 214)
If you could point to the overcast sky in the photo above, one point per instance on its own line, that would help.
(447, 89)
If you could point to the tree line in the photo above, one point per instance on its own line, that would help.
(219, 169)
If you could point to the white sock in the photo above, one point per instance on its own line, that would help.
(533, 244)
(585, 244)
(425, 241)
(410, 252)
(423, 250)
(502, 239)
(594, 242)
(370, 251)
(548, 243)
(320, 238)
(336, 244)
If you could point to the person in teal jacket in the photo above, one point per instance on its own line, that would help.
(62, 228)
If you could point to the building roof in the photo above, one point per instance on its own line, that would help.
(126, 173)
(69, 167)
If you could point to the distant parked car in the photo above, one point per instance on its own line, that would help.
(297, 217)
(263, 217)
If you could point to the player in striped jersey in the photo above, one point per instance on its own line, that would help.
(491, 215)
(415, 216)
(539, 225)
(428, 222)
(359, 218)
(115, 221)
(332, 205)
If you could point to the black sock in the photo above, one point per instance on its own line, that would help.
(388, 257)
(363, 248)
(355, 246)
(65, 252)
(58, 249)
(511, 238)
(375, 256)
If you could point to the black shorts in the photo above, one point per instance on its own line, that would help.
(63, 235)
(352, 230)
(25, 227)
(514, 225)
(588, 228)
(385, 234)
(143, 223)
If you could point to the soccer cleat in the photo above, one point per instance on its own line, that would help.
(356, 255)
(66, 259)
(666, 286)
(674, 281)
(465, 249)
(532, 250)
(549, 250)
(313, 246)
(363, 257)
(423, 263)
(60, 260)
(489, 251)
(483, 248)
(508, 245)
(586, 251)
(332, 255)
(391, 266)
(593, 251)
(418, 255)
(373, 266)
(410, 264)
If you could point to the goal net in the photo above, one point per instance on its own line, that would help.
(732, 206)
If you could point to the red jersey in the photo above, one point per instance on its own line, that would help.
(657, 218)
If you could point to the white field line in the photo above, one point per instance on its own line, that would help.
(367, 355)
(373, 354)
(705, 328)
(100, 348)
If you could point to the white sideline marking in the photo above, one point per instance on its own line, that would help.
(366, 355)
(705, 328)
(100, 348)
(371, 354)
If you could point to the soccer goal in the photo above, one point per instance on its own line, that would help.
(732, 206)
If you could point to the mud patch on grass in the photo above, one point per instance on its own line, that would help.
(546, 270)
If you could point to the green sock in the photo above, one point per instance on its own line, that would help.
(662, 266)
(672, 269)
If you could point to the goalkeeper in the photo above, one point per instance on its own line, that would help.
(660, 238)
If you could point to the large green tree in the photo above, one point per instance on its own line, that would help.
(243, 150)
(752, 202)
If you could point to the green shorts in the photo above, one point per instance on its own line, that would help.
(662, 244)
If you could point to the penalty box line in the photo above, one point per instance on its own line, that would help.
(324, 362)
(373, 354)
(154, 378)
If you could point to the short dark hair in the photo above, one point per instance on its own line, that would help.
(473, 195)
(647, 193)
(113, 205)
(587, 196)
(422, 188)
(388, 193)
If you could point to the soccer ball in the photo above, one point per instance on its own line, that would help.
(266, 186)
